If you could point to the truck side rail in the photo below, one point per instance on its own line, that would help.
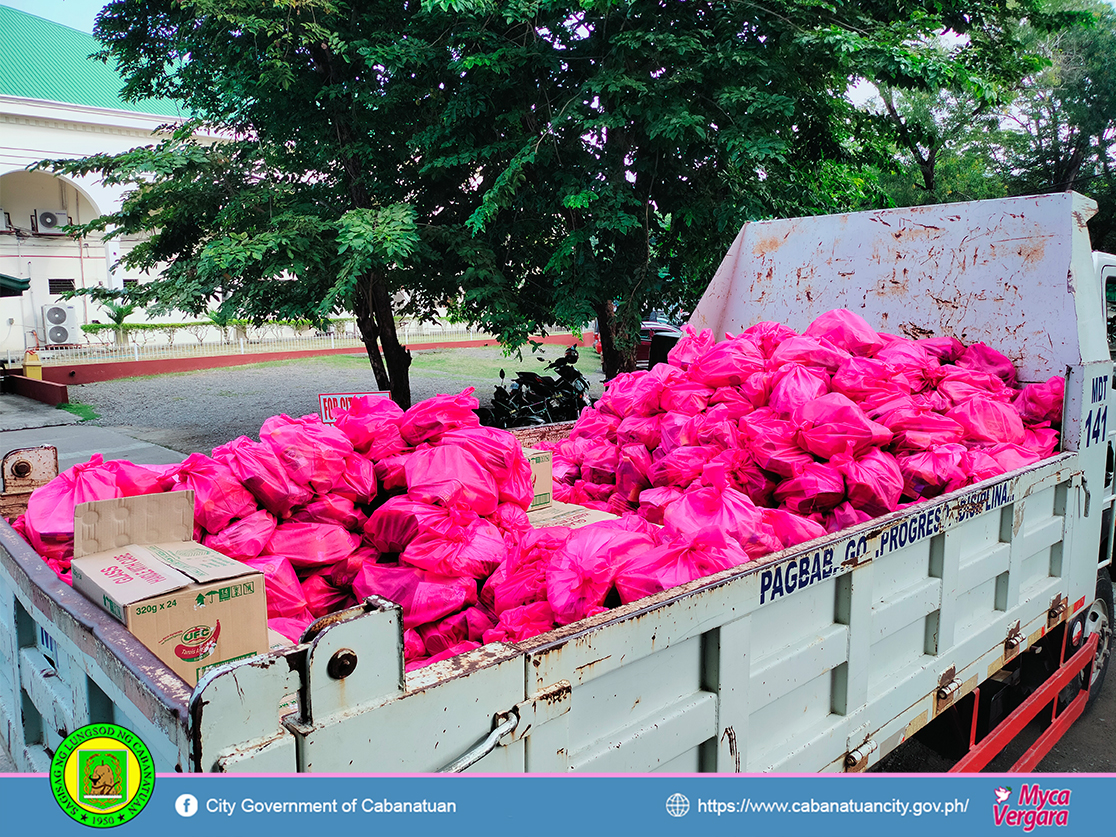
(75, 665)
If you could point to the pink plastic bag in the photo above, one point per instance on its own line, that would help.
(631, 394)
(135, 480)
(642, 430)
(632, 472)
(794, 387)
(583, 571)
(358, 479)
(773, 445)
(1041, 402)
(653, 502)
(331, 508)
(690, 346)
(431, 419)
(959, 385)
(322, 597)
(916, 429)
(833, 424)
(988, 421)
(869, 379)
(473, 550)
(423, 597)
(599, 463)
(792, 529)
(510, 518)
(844, 516)
(912, 362)
(1012, 457)
(1041, 439)
(501, 454)
(284, 592)
(594, 424)
(818, 487)
(341, 574)
(727, 364)
(370, 421)
(260, 470)
(680, 467)
(401, 519)
(741, 400)
(945, 349)
(312, 452)
(246, 538)
(847, 331)
(983, 358)
(671, 427)
(291, 627)
(467, 626)
(873, 482)
(219, 497)
(391, 471)
(686, 397)
(679, 562)
(312, 545)
(451, 476)
(727, 511)
(768, 335)
(413, 646)
(927, 474)
(50, 508)
(519, 623)
(809, 351)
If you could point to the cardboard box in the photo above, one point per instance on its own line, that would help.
(542, 477)
(194, 607)
(567, 514)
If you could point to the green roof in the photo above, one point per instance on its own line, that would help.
(49, 62)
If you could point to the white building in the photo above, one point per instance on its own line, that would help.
(55, 102)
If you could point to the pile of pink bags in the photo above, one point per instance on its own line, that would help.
(728, 452)
(773, 437)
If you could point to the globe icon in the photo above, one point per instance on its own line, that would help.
(677, 805)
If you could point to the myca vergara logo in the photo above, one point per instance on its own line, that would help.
(102, 775)
(1033, 807)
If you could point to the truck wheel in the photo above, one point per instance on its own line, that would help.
(1099, 621)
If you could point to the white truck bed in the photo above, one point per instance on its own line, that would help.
(819, 658)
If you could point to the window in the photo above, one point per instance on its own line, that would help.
(60, 286)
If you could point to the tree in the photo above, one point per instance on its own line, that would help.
(640, 135)
(529, 162)
(294, 191)
(1063, 127)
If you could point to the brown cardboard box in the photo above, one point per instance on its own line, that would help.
(567, 514)
(192, 606)
(542, 477)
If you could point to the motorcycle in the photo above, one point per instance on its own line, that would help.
(533, 399)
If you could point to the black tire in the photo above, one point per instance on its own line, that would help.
(1099, 620)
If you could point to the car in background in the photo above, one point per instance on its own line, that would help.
(647, 330)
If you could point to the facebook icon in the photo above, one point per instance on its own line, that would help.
(186, 805)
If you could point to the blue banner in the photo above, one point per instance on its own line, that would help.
(566, 806)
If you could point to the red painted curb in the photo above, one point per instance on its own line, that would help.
(89, 373)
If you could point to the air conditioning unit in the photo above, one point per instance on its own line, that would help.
(5, 221)
(50, 221)
(60, 325)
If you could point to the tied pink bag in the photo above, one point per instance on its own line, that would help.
(423, 597)
(582, 572)
(451, 476)
(260, 470)
(219, 497)
(833, 424)
(312, 452)
(431, 419)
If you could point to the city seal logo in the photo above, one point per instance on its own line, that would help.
(102, 775)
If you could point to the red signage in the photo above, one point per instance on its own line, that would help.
(332, 404)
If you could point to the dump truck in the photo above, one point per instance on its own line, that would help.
(982, 605)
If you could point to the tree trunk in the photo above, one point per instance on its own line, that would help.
(614, 360)
(376, 321)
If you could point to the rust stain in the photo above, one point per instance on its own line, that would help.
(767, 244)
(734, 751)
(581, 669)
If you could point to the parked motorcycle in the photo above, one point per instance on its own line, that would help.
(539, 399)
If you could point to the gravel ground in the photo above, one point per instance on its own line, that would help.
(196, 411)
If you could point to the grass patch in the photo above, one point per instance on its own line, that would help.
(82, 411)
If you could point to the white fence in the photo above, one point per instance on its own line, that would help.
(154, 344)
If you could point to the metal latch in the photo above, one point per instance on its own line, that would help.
(1058, 607)
(856, 760)
(1014, 639)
